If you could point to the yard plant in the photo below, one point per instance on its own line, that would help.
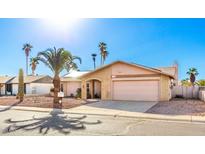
(58, 60)
(21, 85)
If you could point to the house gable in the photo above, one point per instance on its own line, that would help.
(46, 79)
(129, 69)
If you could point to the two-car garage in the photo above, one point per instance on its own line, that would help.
(136, 90)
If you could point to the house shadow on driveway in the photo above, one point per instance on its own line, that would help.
(130, 106)
(60, 122)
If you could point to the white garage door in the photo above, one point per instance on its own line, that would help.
(136, 90)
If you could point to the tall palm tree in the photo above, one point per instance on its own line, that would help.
(27, 49)
(192, 76)
(103, 52)
(94, 59)
(33, 63)
(57, 60)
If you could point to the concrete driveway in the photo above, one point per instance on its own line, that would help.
(114, 107)
(130, 106)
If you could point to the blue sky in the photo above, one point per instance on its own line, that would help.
(150, 42)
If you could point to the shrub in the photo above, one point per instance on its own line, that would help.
(78, 93)
(52, 90)
(201, 83)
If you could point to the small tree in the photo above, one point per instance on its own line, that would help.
(201, 83)
(21, 85)
(33, 64)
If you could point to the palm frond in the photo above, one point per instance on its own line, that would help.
(58, 59)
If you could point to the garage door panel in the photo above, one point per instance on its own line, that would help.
(136, 90)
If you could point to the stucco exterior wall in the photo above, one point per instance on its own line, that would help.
(123, 69)
(117, 71)
(70, 87)
(39, 88)
(15, 89)
(165, 91)
(3, 90)
(34, 88)
(105, 77)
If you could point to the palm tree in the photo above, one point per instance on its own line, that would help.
(104, 56)
(103, 51)
(27, 49)
(57, 60)
(94, 59)
(192, 76)
(33, 63)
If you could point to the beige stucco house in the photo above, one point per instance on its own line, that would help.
(125, 81)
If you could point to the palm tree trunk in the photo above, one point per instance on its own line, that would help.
(33, 72)
(56, 100)
(101, 60)
(26, 65)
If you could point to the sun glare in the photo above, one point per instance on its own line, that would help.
(60, 24)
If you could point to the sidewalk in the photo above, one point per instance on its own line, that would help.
(87, 110)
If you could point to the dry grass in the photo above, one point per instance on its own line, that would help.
(40, 101)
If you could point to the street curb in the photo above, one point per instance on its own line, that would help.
(186, 118)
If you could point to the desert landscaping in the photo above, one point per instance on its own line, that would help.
(39, 101)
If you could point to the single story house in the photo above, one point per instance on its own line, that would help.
(4, 86)
(125, 81)
(40, 84)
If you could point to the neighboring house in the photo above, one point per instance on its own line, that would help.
(32, 85)
(5, 87)
(71, 82)
(124, 81)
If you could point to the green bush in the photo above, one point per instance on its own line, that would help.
(201, 82)
(78, 91)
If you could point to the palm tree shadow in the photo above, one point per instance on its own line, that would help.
(61, 123)
(9, 107)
